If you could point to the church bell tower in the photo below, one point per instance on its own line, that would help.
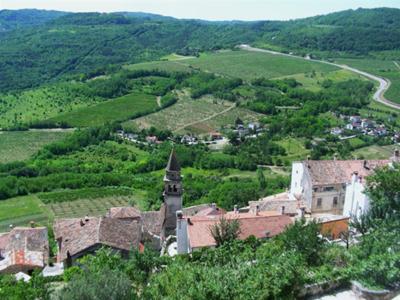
(172, 193)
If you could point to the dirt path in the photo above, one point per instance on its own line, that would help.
(206, 119)
(384, 84)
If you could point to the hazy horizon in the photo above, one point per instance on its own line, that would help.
(245, 10)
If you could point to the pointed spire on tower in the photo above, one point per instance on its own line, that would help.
(173, 164)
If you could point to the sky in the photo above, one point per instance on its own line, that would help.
(207, 9)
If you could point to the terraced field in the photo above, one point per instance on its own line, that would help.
(184, 112)
(20, 145)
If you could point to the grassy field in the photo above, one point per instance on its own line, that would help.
(20, 145)
(20, 211)
(240, 64)
(375, 152)
(313, 82)
(380, 67)
(295, 149)
(119, 109)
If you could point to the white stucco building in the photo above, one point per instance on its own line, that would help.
(323, 185)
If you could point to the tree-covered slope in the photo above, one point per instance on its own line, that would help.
(13, 19)
(358, 31)
(63, 44)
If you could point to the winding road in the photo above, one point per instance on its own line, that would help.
(379, 96)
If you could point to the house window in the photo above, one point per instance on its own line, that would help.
(315, 190)
(319, 202)
(328, 189)
(335, 201)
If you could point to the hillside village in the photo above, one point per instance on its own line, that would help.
(330, 192)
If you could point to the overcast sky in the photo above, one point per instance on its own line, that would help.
(207, 9)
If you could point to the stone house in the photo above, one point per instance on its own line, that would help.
(24, 250)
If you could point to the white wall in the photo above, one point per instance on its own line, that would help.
(301, 183)
(356, 202)
(182, 237)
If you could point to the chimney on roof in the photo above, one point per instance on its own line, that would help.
(32, 224)
(214, 206)
(335, 157)
(11, 226)
(257, 209)
(179, 215)
(86, 218)
(366, 165)
(235, 209)
(82, 223)
(283, 210)
(355, 176)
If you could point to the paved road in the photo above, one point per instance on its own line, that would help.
(384, 84)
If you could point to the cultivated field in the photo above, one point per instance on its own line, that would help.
(20, 145)
(240, 64)
(41, 103)
(186, 111)
(118, 109)
(44, 207)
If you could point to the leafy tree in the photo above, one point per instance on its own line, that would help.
(225, 231)
(261, 179)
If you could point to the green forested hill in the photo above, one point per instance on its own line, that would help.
(13, 19)
(63, 44)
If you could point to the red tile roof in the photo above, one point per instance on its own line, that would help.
(324, 172)
(266, 224)
(124, 213)
(78, 234)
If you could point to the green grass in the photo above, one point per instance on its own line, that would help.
(21, 210)
(295, 149)
(356, 142)
(119, 109)
(20, 145)
(380, 67)
(375, 152)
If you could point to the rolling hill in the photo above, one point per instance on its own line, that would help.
(60, 45)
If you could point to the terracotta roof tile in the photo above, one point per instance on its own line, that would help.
(127, 212)
(270, 223)
(79, 234)
(324, 172)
